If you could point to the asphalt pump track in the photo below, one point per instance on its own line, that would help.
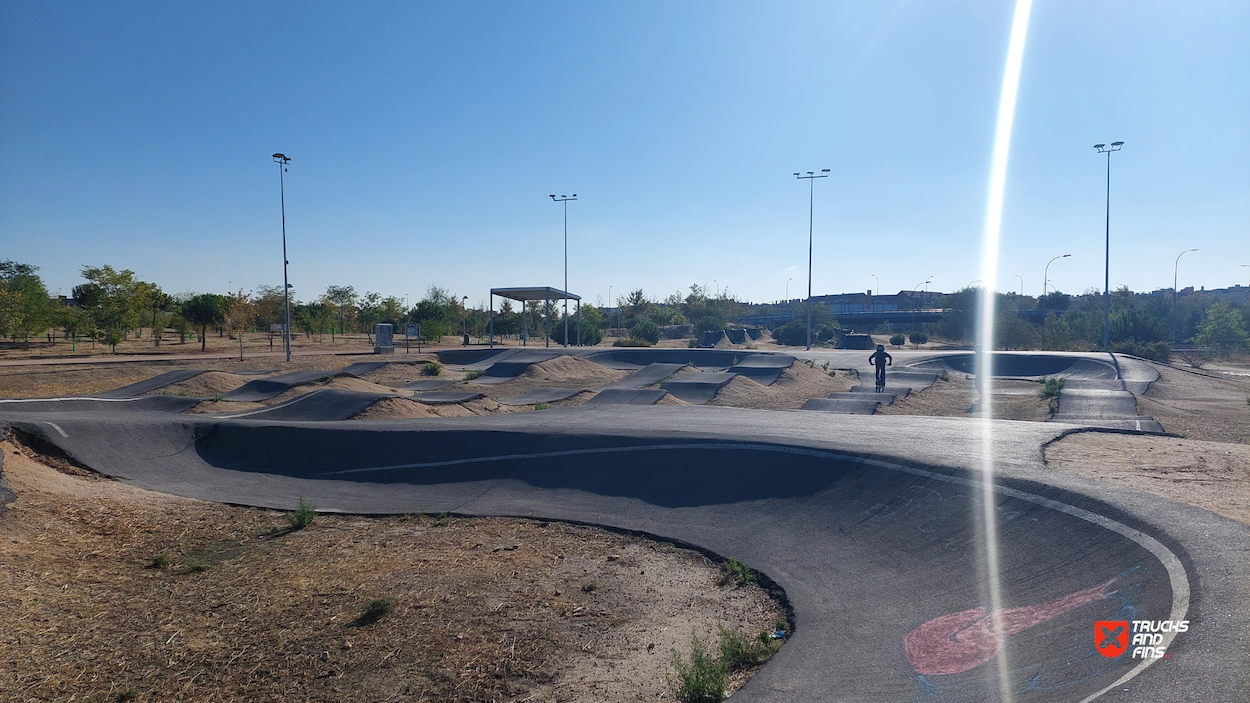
(869, 524)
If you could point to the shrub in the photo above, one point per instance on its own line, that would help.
(1050, 388)
(736, 573)
(646, 329)
(470, 375)
(542, 406)
(375, 610)
(944, 376)
(196, 563)
(737, 651)
(432, 368)
(897, 340)
(302, 516)
(1155, 351)
(791, 334)
(918, 338)
(160, 561)
(591, 334)
(631, 342)
(702, 679)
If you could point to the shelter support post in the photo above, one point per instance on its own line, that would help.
(579, 322)
(492, 321)
(547, 322)
(525, 322)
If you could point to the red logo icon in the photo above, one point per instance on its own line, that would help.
(1111, 637)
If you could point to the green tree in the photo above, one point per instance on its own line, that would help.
(343, 298)
(25, 307)
(1058, 336)
(113, 299)
(1223, 330)
(645, 329)
(204, 310)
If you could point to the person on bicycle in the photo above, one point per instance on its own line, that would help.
(881, 359)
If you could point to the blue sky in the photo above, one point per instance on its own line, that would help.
(425, 138)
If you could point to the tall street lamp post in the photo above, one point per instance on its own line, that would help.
(788, 288)
(1175, 269)
(811, 212)
(282, 160)
(878, 280)
(464, 330)
(565, 199)
(1021, 283)
(916, 303)
(1106, 281)
(1045, 282)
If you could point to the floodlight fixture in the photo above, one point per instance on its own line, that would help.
(282, 160)
(565, 199)
(1106, 284)
(811, 178)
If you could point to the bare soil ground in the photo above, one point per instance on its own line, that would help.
(796, 386)
(479, 609)
(1199, 405)
(1013, 400)
(1213, 476)
(35, 381)
(206, 385)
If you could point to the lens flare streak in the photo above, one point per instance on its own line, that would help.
(985, 331)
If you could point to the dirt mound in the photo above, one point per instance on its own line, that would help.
(223, 407)
(396, 408)
(401, 408)
(570, 369)
(348, 383)
(205, 385)
(742, 392)
(796, 385)
(410, 368)
(671, 399)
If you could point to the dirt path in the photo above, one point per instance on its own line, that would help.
(479, 609)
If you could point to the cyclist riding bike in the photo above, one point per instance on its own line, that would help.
(880, 359)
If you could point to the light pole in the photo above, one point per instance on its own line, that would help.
(788, 288)
(1021, 283)
(717, 287)
(1106, 281)
(972, 282)
(878, 280)
(464, 330)
(916, 302)
(565, 199)
(1175, 268)
(1045, 282)
(811, 213)
(282, 160)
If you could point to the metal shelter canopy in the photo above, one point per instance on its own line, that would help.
(527, 294)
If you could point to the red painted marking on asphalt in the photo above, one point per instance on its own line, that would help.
(961, 641)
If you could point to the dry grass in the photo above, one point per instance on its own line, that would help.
(483, 609)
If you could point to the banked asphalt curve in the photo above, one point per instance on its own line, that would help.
(868, 523)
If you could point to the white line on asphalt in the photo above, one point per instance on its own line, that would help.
(306, 396)
(57, 428)
(1178, 578)
(53, 400)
